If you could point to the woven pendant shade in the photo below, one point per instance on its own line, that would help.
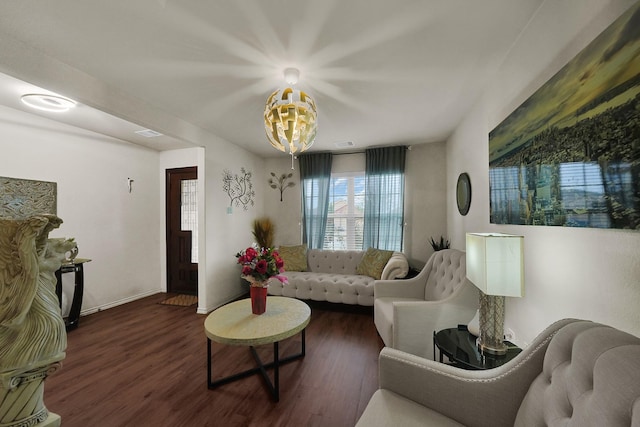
(290, 120)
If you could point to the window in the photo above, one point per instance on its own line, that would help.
(189, 213)
(345, 218)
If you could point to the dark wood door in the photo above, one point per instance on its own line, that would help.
(182, 230)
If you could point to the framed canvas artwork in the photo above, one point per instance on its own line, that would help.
(570, 154)
(22, 198)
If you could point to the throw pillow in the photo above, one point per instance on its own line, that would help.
(294, 257)
(373, 262)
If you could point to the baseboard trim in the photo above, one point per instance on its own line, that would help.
(207, 310)
(119, 302)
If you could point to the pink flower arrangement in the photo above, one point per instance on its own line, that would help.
(261, 264)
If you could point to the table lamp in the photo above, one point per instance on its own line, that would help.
(495, 265)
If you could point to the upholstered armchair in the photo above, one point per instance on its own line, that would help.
(575, 373)
(407, 312)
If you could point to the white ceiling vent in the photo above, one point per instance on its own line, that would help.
(148, 133)
(345, 144)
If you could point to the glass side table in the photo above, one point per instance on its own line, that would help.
(461, 349)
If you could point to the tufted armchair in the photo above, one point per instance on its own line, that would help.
(407, 312)
(575, 373)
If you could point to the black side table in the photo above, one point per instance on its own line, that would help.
(74, 266)
(461, 349)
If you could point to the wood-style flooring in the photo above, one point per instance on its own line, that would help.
(144, 364)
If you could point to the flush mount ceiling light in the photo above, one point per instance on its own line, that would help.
(290, 117)
(46, 102)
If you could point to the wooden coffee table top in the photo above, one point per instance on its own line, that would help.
(234, 324)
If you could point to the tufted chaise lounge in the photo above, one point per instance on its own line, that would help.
(331, 276)
(575, 373)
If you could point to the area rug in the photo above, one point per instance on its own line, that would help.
(181, 300)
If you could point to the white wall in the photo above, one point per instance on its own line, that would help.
(425, 198)
(286, 215)
(118, 230)
(221, 234)
(584, 273)
(228, 233)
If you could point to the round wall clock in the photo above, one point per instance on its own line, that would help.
(463, 193)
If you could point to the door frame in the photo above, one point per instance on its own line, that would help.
(167, 173)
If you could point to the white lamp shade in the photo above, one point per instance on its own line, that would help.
(495, 263)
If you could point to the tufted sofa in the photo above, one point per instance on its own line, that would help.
(331, 276)
(575, 373)
(407, 312)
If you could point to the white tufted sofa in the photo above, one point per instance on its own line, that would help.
(575, 373)
(332, 277)
(407, 312)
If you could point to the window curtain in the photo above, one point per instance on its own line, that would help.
(384, 198)
(315, 176)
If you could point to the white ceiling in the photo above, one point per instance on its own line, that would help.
(381, 72)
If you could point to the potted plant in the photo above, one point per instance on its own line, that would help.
(264, 231)
(442, 244)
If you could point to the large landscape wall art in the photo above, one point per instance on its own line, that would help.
(570, 154)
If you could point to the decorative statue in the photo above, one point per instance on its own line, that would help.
(32, 332)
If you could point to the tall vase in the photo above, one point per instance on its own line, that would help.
(258, 299)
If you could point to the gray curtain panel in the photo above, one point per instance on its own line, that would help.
(384, 198)
(315, 177)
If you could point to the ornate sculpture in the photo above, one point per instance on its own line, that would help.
(32, 332)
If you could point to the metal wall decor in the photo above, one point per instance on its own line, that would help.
(570, 154)
(22, 198)
(239, 188)
(279, 182)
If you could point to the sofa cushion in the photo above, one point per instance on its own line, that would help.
(373, 262)
(334, 262)
(338, 288)
(294, 257)
(387, 408)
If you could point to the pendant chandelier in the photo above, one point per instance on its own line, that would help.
(290, 117)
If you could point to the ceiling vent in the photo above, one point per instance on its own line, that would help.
(345, 144)
(148, 133)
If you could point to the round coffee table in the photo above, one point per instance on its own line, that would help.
(234, 324)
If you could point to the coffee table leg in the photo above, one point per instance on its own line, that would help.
(274, 387)
(208, 363)
(276, 372)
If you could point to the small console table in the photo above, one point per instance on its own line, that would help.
(460, 347)
(72, 266)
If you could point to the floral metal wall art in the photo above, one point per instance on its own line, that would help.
(279, 182)
(239, 188)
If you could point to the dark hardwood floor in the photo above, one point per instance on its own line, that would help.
(144, 364)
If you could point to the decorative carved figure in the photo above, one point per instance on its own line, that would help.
(32, 332)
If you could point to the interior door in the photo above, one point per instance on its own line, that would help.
(182, 230)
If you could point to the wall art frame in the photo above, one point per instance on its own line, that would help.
(22, 198)
(570, 154)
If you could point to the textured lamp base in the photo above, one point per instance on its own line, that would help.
(492, 324)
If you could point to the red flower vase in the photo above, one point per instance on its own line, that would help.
(258, 299)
